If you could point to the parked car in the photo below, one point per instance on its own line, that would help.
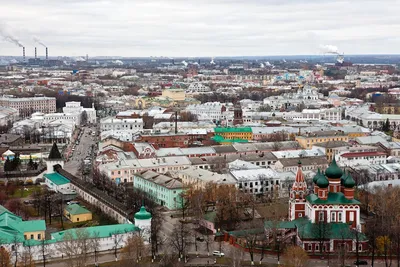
(360, 262)
(200, 238)
(218, 253)
(72, 202)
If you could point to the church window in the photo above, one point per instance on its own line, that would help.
(321, 216)
(339, 217)
(300, 215)
(333, 216)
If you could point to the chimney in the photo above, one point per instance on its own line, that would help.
(35, 53)
(47, 53)
(23, 53)
(176, 122)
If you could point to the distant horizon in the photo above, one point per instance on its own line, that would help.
(204, 57)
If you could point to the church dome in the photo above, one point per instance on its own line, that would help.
(349, 182)
(333, 171)
(322, 182)
(317, 176)
(343, 178)
(143, 214)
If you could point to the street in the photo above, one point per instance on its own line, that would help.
(81, 150)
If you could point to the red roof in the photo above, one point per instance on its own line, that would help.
(362, 154)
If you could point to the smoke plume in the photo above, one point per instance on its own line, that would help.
(8, 36)
(37, 40)
(329, 49)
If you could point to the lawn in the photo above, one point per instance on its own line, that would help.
(25, 191)
(276, 209)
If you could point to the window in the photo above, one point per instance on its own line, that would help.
(309, 247)
(300, 215)
(317, 247)
(321, 216)
(39, 236)
(339, 217)
(25, 237)
(333, 216)
(77, 219)
(32, 236)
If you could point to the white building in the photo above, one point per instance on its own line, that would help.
(210, 110)
(198, 87)
(41, 104)
(121, 124)
(361, 158)
(8, 115)
(261, 181)
(76, 108)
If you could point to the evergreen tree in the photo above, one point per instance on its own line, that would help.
(30, 164)
(386, 126)
(7, 165)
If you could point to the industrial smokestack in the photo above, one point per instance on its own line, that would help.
(23, 53)
(176, 122)
(35, 53)
(47, 53)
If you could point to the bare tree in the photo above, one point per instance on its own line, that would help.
(236, 256)
(117, 240)
(321, 230)
(252, 236)
(75, 246)
(179, 239)
(95, 245)
(134, 249)
(295, 256)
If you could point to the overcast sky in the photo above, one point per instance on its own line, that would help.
(201, 27)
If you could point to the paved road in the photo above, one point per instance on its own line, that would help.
(204, 259)
(82, 150)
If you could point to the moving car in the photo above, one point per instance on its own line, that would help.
(360, 262)
(218, 253)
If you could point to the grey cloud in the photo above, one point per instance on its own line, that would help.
(204, 28)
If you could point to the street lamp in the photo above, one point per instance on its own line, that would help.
(220, 243)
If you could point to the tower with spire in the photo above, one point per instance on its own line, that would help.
(54, 158)
(297, 201)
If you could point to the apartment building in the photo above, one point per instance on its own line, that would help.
(310, 139)
(121, 124)
(199, 178)
(162, 189)
(34, 104)
(123, 171)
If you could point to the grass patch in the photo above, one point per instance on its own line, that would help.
(23, 192)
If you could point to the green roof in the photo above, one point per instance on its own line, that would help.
(142, 214)
(3, 209)
(333, 198)
(233, 130)
(98, 231)
(75, 209)
(12, 226)
(333, 171)
(308, 230)
(33, 226)
(56, 178)
(210, 216)
(332, 231)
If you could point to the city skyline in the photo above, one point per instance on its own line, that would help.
(207, 28)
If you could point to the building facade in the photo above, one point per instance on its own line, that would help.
(34, 104)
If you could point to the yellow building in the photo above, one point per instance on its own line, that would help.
(388, 108)
(174, 94)
(76, 213)
(234, 133)
(12, 226)
(308, 140)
